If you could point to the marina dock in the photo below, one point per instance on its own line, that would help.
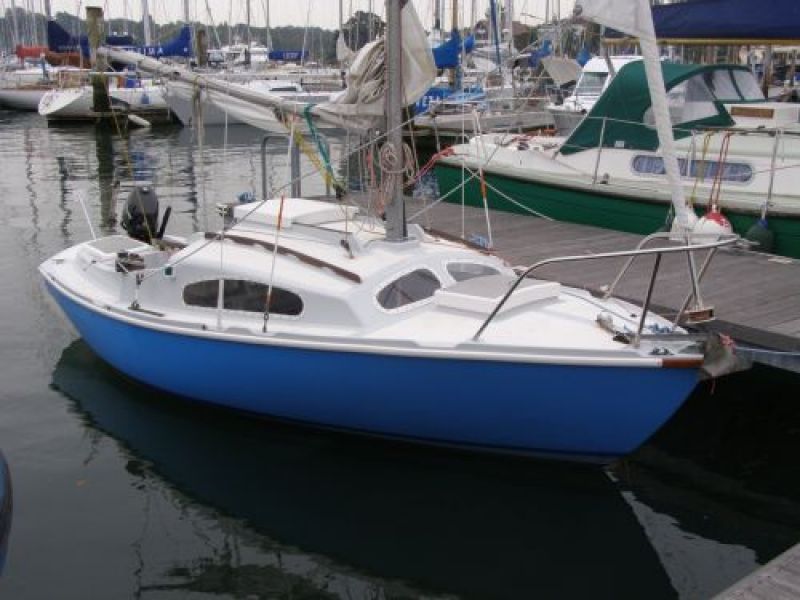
(756, 296)
(777, 580)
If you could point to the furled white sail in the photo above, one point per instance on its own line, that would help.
(360, 106)
(343, 53)
(635, 18)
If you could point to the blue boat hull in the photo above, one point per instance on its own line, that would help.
(572, 412)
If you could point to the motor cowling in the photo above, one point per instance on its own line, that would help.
(140, 217)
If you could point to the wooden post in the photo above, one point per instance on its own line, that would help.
(201, 41)
(94, 25)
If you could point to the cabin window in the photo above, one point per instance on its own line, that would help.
(688, 101)
(248, 296)
(720, 82)
(748, 85)
(412, 287)
(202, 293)
(461, 271)
(591, 84)
(707, 170)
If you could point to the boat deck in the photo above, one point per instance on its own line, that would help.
(756, 296)
(778, 579)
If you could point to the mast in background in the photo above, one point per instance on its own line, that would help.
(393, 146)
(15, 23)
(148, 39)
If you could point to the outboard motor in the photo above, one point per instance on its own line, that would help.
(140, 218)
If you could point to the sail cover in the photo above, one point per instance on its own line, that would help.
(60, 40)
(448, 54)
(709, 21)
(360, 105)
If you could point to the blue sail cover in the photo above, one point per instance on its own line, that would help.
(766, 20)
(448, 54)
(536, 57)
(179, 46)
(288, 55)
(60, 40)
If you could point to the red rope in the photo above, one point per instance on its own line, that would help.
(428, 166)
(716, 186)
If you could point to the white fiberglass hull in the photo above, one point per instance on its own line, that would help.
(22, 99)
(77, 103)
(181, 100)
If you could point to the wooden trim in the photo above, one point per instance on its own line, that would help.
(309, 260)
(758, 112)
(681, 363)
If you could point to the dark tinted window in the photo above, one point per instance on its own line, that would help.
(461, 271)
(243, 295)
(409, 288)
(202, 293)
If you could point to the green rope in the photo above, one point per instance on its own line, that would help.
(321, 148)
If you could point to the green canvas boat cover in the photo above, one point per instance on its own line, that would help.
(695, 95)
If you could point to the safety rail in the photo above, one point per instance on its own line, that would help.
(688, 248)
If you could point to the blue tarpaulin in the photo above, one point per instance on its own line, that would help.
(732, 20)
(448, 54)
(536, 57)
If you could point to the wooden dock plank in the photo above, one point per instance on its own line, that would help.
(778, 579)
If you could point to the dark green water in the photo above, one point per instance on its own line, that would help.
(123, 492)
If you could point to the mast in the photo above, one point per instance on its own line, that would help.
(495, 32)
(395, 209)
(186, 11)
(148, 40)
(249, 34)
(455, 73)
(508, 23)
(15, 23)
(266, 17)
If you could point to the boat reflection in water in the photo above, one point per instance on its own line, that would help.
(370, 511)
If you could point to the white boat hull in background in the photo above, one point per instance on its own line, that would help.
(76, 104)
(22, 98)
(180, 98)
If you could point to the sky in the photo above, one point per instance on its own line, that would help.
(321, 13)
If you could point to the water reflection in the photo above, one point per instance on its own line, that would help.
(440, 522)
(30, 187)
(104, 150)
